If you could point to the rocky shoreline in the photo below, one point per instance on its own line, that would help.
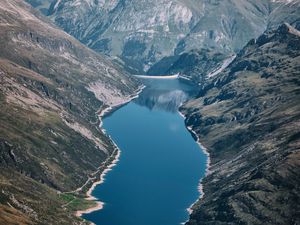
(111, 161)
(208, 161)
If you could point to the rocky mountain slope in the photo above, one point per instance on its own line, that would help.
(143, 32)
(51, 90)
(41, 5)
(194, 66)
(139, 32)
(288, 12)
(248, 119)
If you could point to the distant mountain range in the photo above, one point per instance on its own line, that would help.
(141, 33)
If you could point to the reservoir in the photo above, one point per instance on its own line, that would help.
(157, 176)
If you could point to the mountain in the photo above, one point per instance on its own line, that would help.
(141, 33)
(248, 119)
(41, 5)
(288, 12)
(195, 66)
(52, 89)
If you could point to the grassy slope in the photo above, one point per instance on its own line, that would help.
(49, 139)
(248, 118)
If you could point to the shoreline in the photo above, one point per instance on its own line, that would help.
(175, 76)
(208, 164)
(105, 112)
(99, 204)
(102, 113)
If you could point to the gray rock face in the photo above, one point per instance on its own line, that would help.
(227, 25)
(140, 32)
(143, 32)
(288, 12)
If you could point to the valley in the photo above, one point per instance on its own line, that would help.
(157, 112)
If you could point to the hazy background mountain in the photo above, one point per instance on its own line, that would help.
(143, 32)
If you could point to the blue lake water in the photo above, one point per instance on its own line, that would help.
(160, 166)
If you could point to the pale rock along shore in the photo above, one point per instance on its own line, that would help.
(104, 112)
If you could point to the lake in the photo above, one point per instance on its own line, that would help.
(157, 176)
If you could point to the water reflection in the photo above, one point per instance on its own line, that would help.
(165, 95)
(160, 166)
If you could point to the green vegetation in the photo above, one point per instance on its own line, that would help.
(75, 203)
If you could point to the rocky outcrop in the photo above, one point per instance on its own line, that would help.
(248, 119)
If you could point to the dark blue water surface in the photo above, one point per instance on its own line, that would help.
(160, 166)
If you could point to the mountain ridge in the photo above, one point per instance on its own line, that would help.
(52, 89)
(143, 33)
(248, 119)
